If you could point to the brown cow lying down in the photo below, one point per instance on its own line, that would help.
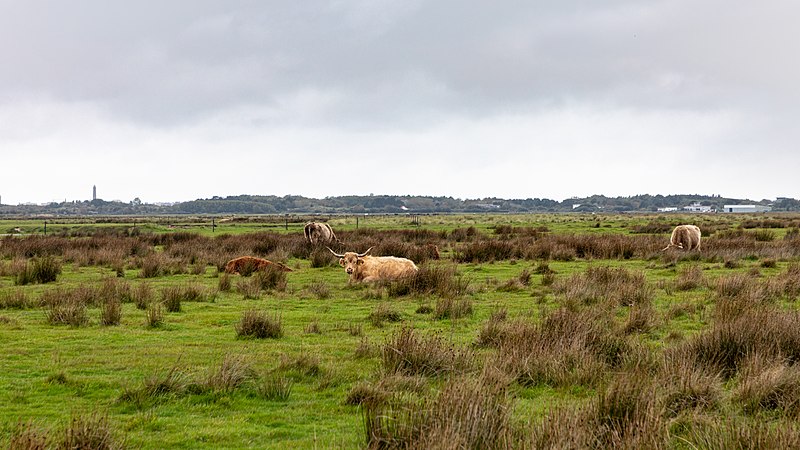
(685, 237)
(251, 264)
(363, 268)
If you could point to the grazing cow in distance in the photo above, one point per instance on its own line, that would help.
(250, 264)
(685, 237)
(319, 233)
(364, 268)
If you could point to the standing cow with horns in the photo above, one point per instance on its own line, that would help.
(319, 233)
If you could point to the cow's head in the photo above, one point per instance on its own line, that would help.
(350, 260)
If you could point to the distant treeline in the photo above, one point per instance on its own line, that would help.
(388, 204)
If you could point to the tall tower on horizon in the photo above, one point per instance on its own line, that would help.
(94, 192)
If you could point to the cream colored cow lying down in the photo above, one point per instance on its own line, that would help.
(364, 268)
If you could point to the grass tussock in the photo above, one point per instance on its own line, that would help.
(466, 414)
(39, 270)
(249, 288)
(303, 365)
(233, 371)
(686, 387)
(690, 278)
(384, 312)
(320, 290)
(407, 353)
(64, 307)
(142, 295)
(156, 388)
(452, 308)
(567, 347)
(88, 432)
(725, 347)
(16, 299)
(365, 349)
(769, 384)
(276, 388)
(154, 315)
(271, 278)
(614, 286)
(224, 282)
(111, 312)
(740, 434)
(492, 331)
(29, 436)
(442, 281)
(257, 324)
(624, 414)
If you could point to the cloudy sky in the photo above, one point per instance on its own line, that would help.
(179, 100)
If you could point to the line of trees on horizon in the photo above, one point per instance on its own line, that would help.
(388, 204)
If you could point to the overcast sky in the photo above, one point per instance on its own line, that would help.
(179, 100)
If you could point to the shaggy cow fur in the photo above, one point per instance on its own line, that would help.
(685, 237)
(364, 268)
(249, 264)
(319, 233)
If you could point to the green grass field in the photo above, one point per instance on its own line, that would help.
(334, 337)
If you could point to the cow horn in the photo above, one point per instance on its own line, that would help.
(334, 253)
(361, 255)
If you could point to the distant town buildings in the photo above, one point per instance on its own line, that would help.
(746, 208)
(94, 192)
(697, 207)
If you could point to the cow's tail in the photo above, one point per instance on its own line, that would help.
(307, 232)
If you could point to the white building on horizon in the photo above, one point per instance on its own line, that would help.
(697, 207)
(746, 208)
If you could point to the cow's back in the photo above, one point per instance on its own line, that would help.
(388, 267)
(687, 236)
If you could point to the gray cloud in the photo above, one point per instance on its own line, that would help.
(374, 69)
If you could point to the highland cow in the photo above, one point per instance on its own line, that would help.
(685, 237)
(250, 264)
(363, 268)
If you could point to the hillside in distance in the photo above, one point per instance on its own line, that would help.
(388, 204)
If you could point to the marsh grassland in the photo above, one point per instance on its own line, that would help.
(534, 331)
